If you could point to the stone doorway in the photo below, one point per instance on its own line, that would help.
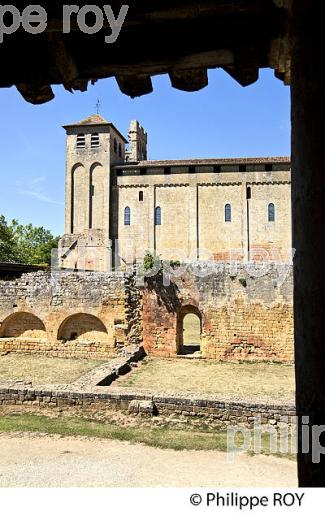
(189, 331)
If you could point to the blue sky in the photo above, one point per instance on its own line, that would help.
(223, 120)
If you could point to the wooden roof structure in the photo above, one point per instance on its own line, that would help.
(180, 38)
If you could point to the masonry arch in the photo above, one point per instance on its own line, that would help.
(96, 196)
(189, 330)
(78, 198)
(23, 325)
(82, 326)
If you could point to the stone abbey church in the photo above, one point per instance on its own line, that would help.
(119, 204)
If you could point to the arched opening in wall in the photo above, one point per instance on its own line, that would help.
(189, 331)
(85, 327)
(23, 325)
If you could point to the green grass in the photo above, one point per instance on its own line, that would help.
(264, 381)
(159, 437)
(192, 330)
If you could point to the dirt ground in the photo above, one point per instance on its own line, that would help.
(42, 370)
(266, 381)
(35, 460)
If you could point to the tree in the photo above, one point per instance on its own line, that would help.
(8, 246)
(26, 243)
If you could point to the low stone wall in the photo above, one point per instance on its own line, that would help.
(222, 412)
(69, 349)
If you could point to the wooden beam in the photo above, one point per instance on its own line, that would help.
(135, 86)
(62, 58)
(36, 94)
(245, 69)
(189, 80)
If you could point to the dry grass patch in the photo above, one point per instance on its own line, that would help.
(192, 330)
(42, 370)
(238, 380)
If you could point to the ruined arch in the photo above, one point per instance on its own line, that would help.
(23, 325)
(82, 326)
(189, 342)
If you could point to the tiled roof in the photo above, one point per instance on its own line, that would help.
(194, 162)
(95, 119)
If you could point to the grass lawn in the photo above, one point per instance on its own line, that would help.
(238, 380)
(192, 330)
(161, 437)
(43, 370)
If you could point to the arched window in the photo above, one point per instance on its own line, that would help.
(94, 140)
(140, 196)
(158, 216)
(127, 216)
(227, 213)
(115, 146)
(81, 141)
(120, 150)
(271, 212)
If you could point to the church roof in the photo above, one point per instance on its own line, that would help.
(205, 162)
(95, 120)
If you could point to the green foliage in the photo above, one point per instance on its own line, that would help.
(175, 264)
(150, 262)
(26, 243)
(243, 282)
(8, 246)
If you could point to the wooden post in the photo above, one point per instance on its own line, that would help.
(308, 196)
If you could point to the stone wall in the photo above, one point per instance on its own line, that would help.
(223, 413)
(193, 213)
(69, 349)
(68, 315)
(246, 314)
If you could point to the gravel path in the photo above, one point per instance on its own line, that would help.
(36, 460)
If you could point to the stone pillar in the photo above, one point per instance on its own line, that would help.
(308, 196)
(68, 201)
(193, 220)
(151, 217)
(244, 221)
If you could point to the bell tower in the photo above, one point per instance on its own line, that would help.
(93, 146)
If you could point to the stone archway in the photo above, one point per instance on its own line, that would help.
(23, 325)
(82, 326)
(189, 330)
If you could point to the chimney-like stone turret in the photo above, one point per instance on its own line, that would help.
(138, 141)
